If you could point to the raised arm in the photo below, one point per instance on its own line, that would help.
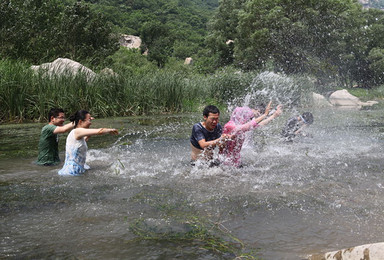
(265, 115)
(277, 113)
(64, 128)
(82, 132)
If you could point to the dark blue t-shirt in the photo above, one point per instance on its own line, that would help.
(291, 127)
(199, 132)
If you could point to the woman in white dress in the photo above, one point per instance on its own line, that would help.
(76, 146)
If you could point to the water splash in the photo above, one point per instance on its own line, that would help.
(269, 86)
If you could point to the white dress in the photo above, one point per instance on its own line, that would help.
(75, 155)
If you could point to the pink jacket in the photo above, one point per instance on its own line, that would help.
(240, 123)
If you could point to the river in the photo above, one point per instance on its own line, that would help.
(141, 196)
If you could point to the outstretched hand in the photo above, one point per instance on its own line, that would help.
(279, 110)
(113, 131)
(268, 108)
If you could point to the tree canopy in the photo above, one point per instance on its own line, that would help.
(334, 38)
(39, 31)
(330, 39)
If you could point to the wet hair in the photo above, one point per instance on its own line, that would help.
(79, 115)
(242, 115)
(54, 112)
(210, 109)
(308, 117)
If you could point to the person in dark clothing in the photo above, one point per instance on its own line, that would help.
(296, 125)
(207, 135)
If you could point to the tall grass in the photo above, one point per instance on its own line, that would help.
(15, 91)
(27, 96)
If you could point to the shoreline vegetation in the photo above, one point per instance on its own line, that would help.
(323, 47)
(26, 96)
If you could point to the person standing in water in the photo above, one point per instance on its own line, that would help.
(243, 120)
(207, 135)
(49, 139)
(76, 146)
(296, 125)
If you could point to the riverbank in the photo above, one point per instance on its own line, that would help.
(26, 96)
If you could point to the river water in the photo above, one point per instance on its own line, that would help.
(317, 194)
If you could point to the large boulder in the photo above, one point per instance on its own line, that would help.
(64, 67)
(363, 252)
(344, 98)
(320, 100)
(130, 41)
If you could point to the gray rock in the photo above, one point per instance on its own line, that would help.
(130, 41)
(344, 98)
(64, 67)
(320, 100)
(363, 252)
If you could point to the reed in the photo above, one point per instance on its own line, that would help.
(27, 96)
(15, 91)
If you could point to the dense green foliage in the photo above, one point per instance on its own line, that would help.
(40, 31)
(168, 28)
(332, 39)
(87, 31)
(335, 42)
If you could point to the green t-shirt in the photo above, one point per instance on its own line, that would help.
(48, 146)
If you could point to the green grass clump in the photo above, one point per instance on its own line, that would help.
(368, 94)
(178, 222)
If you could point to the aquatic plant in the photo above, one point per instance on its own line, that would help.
(179, 222)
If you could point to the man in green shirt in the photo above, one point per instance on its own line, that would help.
(49, 139)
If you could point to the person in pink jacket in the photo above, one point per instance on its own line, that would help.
(243, 119)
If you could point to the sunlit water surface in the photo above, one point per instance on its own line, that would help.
(316, 194)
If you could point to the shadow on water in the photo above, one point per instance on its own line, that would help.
(142, 200)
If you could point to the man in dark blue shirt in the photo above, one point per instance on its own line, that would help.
(296, 125)
(207, 135)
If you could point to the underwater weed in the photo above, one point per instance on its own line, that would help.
(180, 223)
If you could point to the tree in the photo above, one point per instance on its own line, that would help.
(158, 41)
(329, 39)
(83, 34)
(223, 28)
(26, 28)
(39, 31)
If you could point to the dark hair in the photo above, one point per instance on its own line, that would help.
(210, 109)
(54, 112)
(79, 115)
(308, 117)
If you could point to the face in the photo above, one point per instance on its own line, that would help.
(211, 121)
(59, 120)
(87, 121)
